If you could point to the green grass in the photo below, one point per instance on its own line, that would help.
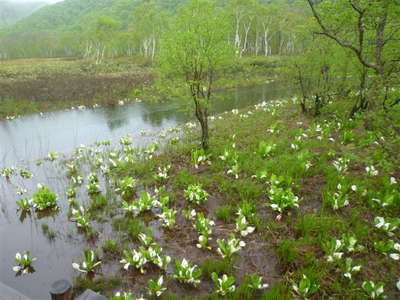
(294, 241)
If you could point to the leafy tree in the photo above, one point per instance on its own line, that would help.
(370, 31)
(101, 36)
(321, 73)
(194, 50)
(149, 22)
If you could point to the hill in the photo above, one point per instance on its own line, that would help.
(76, 15)
(11, 12)
(97, 28)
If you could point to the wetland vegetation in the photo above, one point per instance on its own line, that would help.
(295, 197)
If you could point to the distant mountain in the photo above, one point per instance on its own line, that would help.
(11, 12)
(75, 15)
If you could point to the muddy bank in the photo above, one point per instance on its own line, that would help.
(85, 89)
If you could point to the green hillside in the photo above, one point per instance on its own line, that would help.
(98, 28)
(11, 12)
(76, 15)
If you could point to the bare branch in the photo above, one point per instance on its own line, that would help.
(345, 44)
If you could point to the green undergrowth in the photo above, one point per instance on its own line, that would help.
(337, 201)
(320, 196)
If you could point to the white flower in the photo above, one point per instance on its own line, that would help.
(248, 230)
(393, 180)
(379, 222)
(185, 263)
(371, 171)
(17, 268)
(354, 187)
(242, 244)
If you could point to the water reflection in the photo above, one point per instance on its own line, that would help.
(31, 137)
(24, 140)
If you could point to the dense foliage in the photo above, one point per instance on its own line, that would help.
(11, 12)
(69, 28)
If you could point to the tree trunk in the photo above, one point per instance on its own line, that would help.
(317, 108)
(204, 133)
(266, 44)
(201, 114)
(362, 101)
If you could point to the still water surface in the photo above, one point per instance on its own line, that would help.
(27, 139)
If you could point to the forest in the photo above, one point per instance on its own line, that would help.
(110, 28)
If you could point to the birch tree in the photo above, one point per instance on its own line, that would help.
(149, 22)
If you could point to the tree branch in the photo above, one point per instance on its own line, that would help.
(345, 44)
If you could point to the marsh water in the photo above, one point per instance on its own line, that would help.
(27, 139)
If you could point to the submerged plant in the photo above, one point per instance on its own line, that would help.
(71, 193)
(143, 204)
(89, 264)
(81, 217)
(127, 187)
(168, 217)
(24, 262)
(146, 240)
(24, 173)
(93, 186)
(76, 180)
(162, 173)
(52, 156)
(24, 204)
(195, 194)
(203, 227)
(44, 199)
(8, 172)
